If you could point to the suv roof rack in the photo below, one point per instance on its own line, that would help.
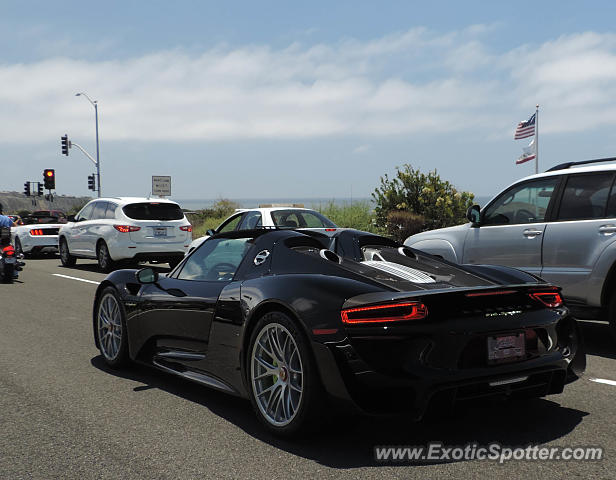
(564, 166)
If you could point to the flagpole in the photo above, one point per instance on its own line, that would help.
(537, 139)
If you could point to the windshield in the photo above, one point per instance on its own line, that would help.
(153, 211)
(216, 260)
(301, 219)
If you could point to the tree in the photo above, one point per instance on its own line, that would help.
(412, 194)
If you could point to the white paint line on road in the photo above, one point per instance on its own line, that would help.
(603, 380)
(75, 278)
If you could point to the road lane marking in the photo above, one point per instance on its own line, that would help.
(75, 278)
(603, 380)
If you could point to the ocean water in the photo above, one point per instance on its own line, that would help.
(198, 204)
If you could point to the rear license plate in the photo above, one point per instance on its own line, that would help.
(160, 231)
(9, 260)
(506, 348)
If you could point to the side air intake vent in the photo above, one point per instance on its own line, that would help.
(329, 255)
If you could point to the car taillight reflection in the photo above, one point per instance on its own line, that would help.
(126, 228)
(393, 312)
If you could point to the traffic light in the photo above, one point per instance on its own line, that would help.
(27, 189)
(39, 187)
(49, 178)
(64, 143)
(91, 183)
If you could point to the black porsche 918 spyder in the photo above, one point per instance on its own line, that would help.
(298, 322)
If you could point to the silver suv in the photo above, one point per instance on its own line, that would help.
(560, 225)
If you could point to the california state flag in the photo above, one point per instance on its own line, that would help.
(529, 153)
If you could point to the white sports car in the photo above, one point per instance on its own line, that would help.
(39, 234)
(271, 216)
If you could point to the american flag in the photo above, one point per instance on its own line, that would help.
(525, 129)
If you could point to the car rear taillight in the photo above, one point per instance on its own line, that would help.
(126, 228)
(36, 232)
(330, 229)
(186, 228)
(391, 312)
(550, 299)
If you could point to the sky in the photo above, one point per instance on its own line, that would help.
(276, 99)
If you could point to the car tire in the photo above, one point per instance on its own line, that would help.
(279, 361)
(611, 311)
(110, 328)
(105, 263)
(65, 255)
(7, 273)
(18, 248)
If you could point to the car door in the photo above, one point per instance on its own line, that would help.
(178, 312)
(77, 231)
(93, 227)
(511, 228)
(584, 224)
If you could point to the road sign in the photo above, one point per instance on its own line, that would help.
(161, 185)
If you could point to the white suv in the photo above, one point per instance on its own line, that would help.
(133, 229)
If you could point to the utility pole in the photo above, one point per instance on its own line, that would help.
(98, 160)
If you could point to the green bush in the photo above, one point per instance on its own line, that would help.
(401, 225)
(426, 195)
(203, 220)
(357, 215)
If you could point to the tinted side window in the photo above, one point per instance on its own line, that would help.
(251, 220)
(585, 196)
(99, 210)
(86, 212)
(230, 224)
(526, 203)
(216, 260)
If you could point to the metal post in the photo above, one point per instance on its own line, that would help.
(98, 161)
(537, 139)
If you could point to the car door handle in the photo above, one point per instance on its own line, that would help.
(529, 233)
(607, 229)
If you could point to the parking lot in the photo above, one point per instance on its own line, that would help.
(66, 415)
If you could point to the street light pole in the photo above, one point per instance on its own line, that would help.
(98, 161)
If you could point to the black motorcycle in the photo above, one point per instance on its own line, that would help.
(10, 262)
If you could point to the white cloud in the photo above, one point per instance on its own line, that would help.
(361, 149)
(414, 82)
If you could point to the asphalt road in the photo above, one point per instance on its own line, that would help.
(63, 414)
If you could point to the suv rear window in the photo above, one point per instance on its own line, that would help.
(153, 211)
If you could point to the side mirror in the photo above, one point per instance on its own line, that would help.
(147, 275)
(473, 214)
(210, 232)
